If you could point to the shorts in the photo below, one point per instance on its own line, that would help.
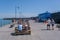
(19, 30)
(52, 24)
(48, 24)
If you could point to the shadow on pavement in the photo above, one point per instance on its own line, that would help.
(45, 29)
(13, 34)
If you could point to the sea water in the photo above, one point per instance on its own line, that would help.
(4, 22)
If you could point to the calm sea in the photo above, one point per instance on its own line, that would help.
(4, 22)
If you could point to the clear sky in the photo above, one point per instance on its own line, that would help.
(27, 7)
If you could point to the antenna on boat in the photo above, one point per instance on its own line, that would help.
(15, 11)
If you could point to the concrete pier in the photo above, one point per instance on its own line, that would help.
(38, 32)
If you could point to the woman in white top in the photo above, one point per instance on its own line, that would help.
(48, 24)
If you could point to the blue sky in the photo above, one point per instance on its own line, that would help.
(28, 8)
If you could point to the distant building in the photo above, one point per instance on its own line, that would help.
(56, 17)
(34, 18)
(44, 16)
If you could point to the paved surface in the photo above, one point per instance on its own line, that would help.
(39, 32)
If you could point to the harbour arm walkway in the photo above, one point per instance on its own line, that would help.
(38, 32)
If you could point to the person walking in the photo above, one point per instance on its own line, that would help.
(52, 24)
(48, 24)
